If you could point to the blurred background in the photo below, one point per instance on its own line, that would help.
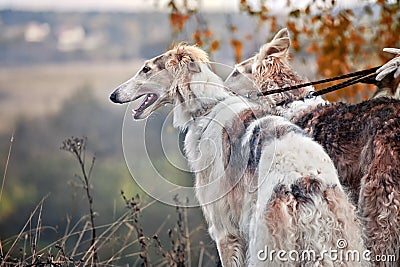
(60, 60)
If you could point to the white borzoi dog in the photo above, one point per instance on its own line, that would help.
(263, 185)
(362, 139)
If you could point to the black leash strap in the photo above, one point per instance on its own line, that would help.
(358, 79)
(341, 85)
(359, 75)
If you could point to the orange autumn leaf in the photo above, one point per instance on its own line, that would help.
(214, 45)
(313, 48)
(178, 20)
(196, 36)
(274, 26)
(208, 33)
(291, 26)
(237, 49)
(295, 45)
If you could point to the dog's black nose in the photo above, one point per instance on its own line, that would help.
(113, 97)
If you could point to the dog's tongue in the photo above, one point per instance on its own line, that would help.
(148, 99)
(141, 104)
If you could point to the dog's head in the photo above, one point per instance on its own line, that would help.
(151, 81)
(250, 74)
(195, 88)
(154, 80)
(240, 80)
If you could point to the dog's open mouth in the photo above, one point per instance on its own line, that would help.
(148, 100)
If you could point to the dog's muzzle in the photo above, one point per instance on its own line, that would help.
(113, 97)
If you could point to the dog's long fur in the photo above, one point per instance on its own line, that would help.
(362, 139)
(283, 190)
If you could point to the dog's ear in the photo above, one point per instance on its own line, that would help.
(193, 67)
(283, 33)
(279, 45)
(177, 56)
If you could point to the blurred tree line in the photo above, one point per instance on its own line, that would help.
(340, 39)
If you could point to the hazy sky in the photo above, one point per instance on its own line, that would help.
(143, 5)
(118, 5)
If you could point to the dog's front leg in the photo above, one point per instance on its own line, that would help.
(232, 251)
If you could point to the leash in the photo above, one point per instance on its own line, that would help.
(358, 79)
(359, 76)
(312, 94)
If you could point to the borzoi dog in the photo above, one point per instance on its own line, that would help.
(284, 193)
(363, 140)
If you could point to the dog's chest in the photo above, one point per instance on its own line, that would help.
(225, 203)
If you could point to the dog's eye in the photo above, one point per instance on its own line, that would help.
(146, 69)
(235, 73)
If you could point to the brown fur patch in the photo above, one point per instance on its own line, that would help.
(280, 215)
(309, 185)
(236, 131)
(347, 133)
(183, 53)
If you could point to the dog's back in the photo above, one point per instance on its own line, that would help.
(300, 203)
(345, 131)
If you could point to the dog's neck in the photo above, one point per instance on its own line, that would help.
(195, 94)
(275, 74)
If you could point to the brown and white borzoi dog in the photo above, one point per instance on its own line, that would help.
(363, 140)
(284, 193)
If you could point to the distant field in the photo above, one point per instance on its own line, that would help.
(34, 91)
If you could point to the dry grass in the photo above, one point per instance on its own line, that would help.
(88, 244)
(6, 166)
